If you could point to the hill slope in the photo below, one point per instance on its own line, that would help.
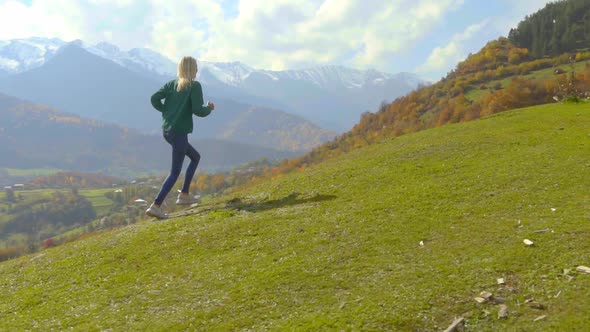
(336, 246)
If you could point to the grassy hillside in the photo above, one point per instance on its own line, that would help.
(337, 246)
(475, 93)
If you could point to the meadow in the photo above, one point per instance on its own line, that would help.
(398, 236)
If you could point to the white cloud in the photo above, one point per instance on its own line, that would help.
(301, 32)
(92, 20)
(267, 34)
(44, 19)
(360, 33)
(446, 57)
(115, 3)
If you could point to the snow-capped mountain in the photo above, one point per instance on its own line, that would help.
(24, 54)
(230, 73)
(136, 59)
(331, 96)
(342, 77)
(329, 76)
(19, 55)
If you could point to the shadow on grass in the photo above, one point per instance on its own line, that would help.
(238, 204)
(290, 200)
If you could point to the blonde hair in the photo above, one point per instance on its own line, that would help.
(187, 71)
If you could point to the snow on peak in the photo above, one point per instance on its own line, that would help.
(152, 60)
(8, 65)
(23, 54)
(332, 76)
(108, 48)
(232, 73)
(328, 76)
(19, 55)
(137, 59)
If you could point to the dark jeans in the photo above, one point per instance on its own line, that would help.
(180, 148)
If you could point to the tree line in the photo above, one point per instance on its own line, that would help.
(562, 26)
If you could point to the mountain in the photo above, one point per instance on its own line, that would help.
(262, 126)
(137, 59)
(334, 97)
(37, 136)
(79, 82)
(399, 236)
(19, 55)
(326, 77)
(271, 128)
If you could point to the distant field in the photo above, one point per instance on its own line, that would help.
(96, 196)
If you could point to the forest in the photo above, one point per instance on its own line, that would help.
(562, 26)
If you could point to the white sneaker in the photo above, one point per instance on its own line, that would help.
(156, 212)
(186, 199)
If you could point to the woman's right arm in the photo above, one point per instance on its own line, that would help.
(157, 98)
(198, 108)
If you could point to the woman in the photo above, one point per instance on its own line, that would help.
(183, 97)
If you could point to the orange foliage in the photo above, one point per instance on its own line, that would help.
(11, 252)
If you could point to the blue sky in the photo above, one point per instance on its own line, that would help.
(427, 37)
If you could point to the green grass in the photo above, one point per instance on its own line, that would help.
(336, 247)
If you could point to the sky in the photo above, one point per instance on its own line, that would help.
(427, 37)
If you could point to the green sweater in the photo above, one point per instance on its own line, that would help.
(178, 107)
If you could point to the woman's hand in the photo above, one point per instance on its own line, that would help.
(211, 105)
